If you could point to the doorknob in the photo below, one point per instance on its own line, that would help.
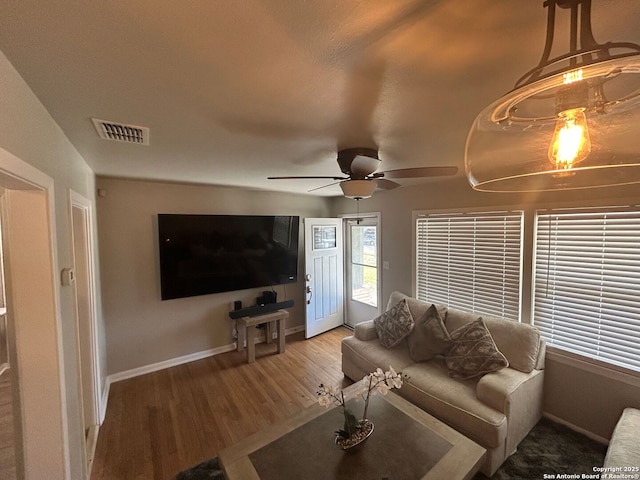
(310, 294)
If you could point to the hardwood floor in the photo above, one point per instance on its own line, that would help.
(164, 422)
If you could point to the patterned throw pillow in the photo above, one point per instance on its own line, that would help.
(429, 336)
(473, 351)
(394, 324)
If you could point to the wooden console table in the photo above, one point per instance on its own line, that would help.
(247, 331)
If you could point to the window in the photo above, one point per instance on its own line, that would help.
(471, 261)
(587, 283)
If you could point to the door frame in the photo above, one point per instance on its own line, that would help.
(377, 217)
(31, 262)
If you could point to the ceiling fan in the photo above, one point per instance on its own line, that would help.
(361, 178)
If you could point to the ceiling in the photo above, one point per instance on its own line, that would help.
(234, 91)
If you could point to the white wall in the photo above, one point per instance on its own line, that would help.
(142, 329)
(28, 132)
(587, 398)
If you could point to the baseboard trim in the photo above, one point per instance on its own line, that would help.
(575, 428)
(173, 362)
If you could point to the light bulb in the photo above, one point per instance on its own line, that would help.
(570, 143)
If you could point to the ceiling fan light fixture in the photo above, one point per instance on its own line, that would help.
(358, 189)
(570, 123)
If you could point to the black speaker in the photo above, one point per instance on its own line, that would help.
(237, 305)
(269, 296)
(259, 300)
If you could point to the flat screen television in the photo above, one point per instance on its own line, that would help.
(202, 254)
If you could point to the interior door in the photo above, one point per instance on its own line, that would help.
(324, 274)
(362, 270)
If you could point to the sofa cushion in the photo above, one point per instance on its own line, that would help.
(429, 336)
(359, 358)
(519, 342)
(473, 352)
(394, 324)
(457, 318)
(416, 307)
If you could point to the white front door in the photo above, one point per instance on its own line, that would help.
(324, 274)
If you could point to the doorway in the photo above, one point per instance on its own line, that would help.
(342, 271)
(362, 268)
(33, 321)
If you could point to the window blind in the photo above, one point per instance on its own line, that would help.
(587, 283)
(471, 261)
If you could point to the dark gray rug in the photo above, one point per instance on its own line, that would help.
(208, 470)
(549, 449)
(552, 449)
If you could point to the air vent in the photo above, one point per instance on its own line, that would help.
(120, 132)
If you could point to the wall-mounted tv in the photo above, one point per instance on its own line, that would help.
(202, 254)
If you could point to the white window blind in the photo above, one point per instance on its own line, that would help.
(471, 261)
(587, 283)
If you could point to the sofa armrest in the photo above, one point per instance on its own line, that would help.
(623, 448)
(516, 394)
(497, 388)
(365, 331)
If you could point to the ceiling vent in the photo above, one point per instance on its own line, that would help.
(120, 132)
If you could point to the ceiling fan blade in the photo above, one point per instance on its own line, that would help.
(307, 178)
(325, 186)
(385, 184)
(419, 172)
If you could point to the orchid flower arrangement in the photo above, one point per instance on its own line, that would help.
(377, 381)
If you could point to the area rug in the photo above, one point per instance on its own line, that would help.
(209, 470)
(554, 450)
(550, 449)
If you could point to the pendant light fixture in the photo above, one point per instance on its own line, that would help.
(571, 122)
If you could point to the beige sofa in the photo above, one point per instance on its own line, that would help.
(623, 454)
(496, 410)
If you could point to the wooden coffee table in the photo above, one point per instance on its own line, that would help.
(406, 443)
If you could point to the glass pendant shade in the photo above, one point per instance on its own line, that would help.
(573, 122)
(358, 189)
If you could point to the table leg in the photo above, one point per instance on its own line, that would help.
(241, 332)
(269, 332)
(281, 335)
(251, 344)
